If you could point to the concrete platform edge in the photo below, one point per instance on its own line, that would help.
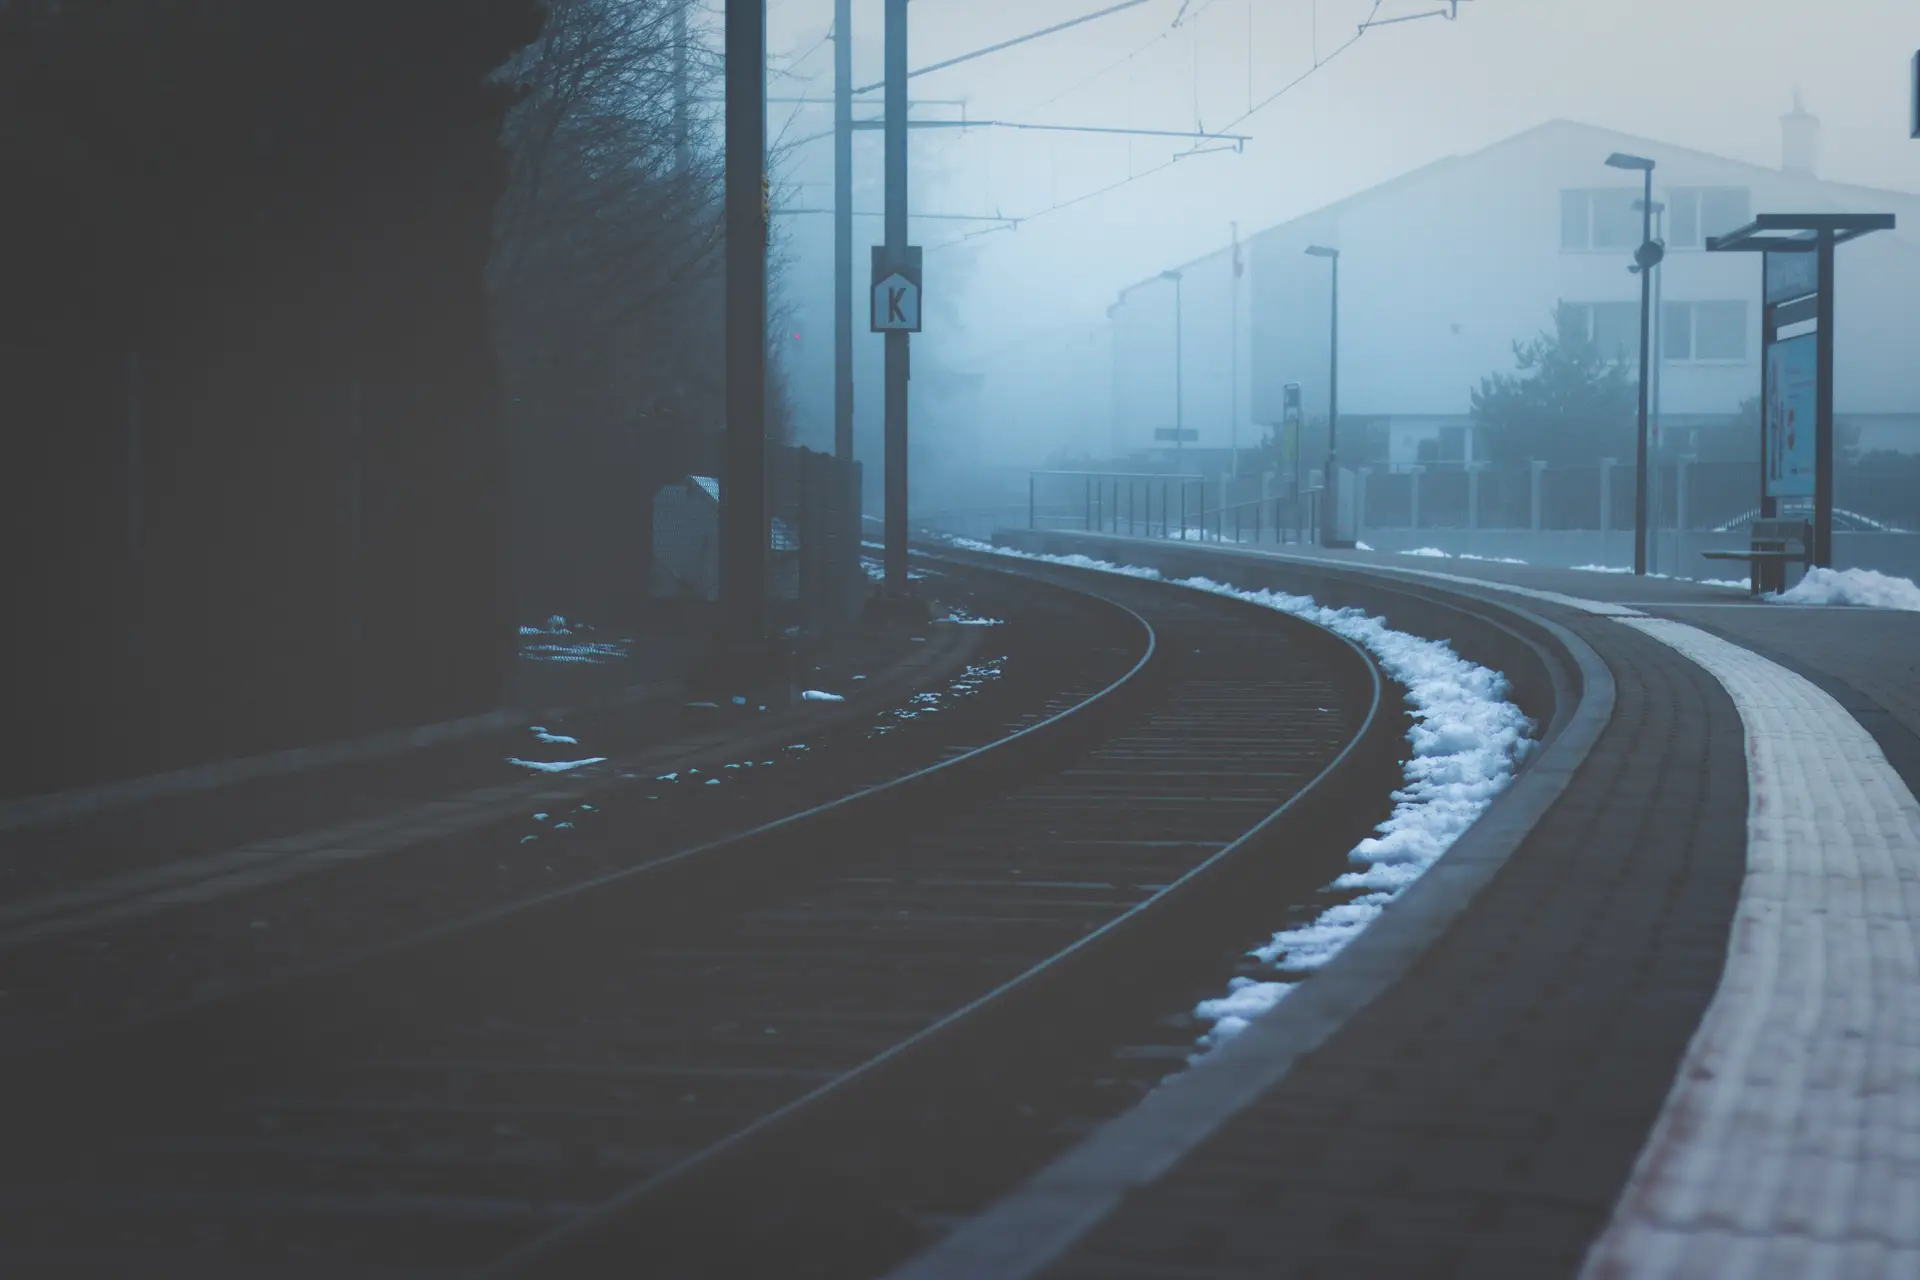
(1038, 1223)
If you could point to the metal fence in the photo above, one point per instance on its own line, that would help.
(1707, 497)
(1141, 504)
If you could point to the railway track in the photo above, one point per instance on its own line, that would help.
(362, 879)
(794, 1051)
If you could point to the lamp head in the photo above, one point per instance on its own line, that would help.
(1321, 251)
(1621, 160)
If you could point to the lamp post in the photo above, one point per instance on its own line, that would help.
(1646, 257)
(1329, 522)
(1654, 378)
(1179, 398)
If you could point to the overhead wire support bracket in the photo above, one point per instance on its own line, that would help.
(1450, 13)
(1008, 44)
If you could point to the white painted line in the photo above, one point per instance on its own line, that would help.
(1790, 1142)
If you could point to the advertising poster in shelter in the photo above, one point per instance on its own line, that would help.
(1789, 405)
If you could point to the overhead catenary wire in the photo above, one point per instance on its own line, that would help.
(1262, 104)
(1008, 44)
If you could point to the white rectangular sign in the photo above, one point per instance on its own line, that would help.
(895, 305)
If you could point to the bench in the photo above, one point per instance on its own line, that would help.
(1774, 544)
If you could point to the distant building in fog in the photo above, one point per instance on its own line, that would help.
(1445, 267)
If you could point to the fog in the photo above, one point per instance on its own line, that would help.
(1015, 366)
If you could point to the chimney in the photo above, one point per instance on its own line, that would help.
(1799, 141)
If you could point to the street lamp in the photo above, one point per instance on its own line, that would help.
(1329, 525)
(1656, 374)
(1179, 432)
(1647, 256)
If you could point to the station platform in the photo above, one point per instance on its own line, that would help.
(1657, 1013)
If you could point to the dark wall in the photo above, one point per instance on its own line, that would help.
(255, 477)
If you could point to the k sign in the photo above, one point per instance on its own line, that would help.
(896, 291)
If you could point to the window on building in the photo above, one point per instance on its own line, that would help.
(1719, 331)
(1676, 331)
(1575, 220)
(1453, 444)
(1703, 331)
(1613, 327)
(1599, 218)
(1694, 213)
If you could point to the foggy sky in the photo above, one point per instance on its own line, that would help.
(1710, 74)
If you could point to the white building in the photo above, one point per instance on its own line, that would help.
(1443, 269)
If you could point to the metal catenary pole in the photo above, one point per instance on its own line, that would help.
(897, 348)
(743, 535)
(843, 230)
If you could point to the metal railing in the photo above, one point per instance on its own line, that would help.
(1166, 506)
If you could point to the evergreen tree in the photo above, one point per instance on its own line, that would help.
(1568, 404)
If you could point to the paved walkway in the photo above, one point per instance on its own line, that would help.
(1675, 1033)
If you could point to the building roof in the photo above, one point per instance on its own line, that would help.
(1848, 191)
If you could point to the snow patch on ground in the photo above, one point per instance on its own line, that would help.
(820, 695)
(1852, 587)
(540, 734)
(1738, 584)
(1433, 552)
(595, 653)
(1361, 546)
(1490, 559)
(1467, 740)
(555, 766)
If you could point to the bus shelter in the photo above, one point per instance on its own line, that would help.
(1796, 369)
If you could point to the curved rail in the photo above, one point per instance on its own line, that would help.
(629, 1225)
(1058, 991)
(691, 871)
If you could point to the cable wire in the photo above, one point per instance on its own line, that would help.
(1261, 105)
